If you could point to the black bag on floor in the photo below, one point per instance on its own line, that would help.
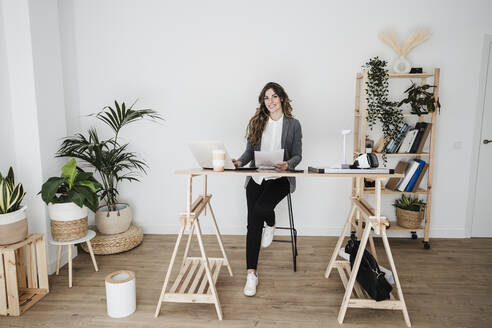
(370, 277)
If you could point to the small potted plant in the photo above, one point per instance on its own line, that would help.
(421, 100)
(112, 161)
(13, 219)
(68, 198)
(409, 211)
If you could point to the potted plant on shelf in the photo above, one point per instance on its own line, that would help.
(409, 211)
(68, 198)
(112, 161)
(379, 108)
(420, 99)
(13, 219)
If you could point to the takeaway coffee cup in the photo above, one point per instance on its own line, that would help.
(218, 160)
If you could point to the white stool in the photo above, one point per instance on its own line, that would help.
(90, 234)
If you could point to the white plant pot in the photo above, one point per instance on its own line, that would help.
(114, 222)
(13, 226)
(68, 221)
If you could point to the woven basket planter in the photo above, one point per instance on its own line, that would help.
(113, 244)
(68, 221)
(13, 227)
(114, 222)
(409, 219)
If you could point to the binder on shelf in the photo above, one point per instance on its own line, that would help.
(393, 182)
(378, 148)
(407, 142)
(394, 143)
(425, 134)
(420, 177)
(420, 126)
(415, 176)
(412, 167)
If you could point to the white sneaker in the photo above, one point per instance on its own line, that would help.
(251, 283)
(267, 236)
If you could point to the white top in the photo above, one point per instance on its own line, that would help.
(271, 140)
(90, 234)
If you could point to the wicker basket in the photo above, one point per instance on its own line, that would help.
(113, 244)
(409, 219)
(68, 221)
(68, 230)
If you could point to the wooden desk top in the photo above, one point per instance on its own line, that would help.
(272, 173)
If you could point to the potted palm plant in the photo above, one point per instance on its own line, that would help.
(112, 161)
(13, 219)
(68, 198)
(409, 211)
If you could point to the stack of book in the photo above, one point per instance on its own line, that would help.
(409, 140)
(414, 172)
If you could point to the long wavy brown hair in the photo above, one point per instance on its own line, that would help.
(258, 122)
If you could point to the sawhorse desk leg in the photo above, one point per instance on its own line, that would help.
(373, 221)
(196, 273)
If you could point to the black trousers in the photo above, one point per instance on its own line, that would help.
(261, 200)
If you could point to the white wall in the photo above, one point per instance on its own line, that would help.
(32, 101)
(202, 65)
(6, 131)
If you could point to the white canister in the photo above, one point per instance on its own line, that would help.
(120, 293)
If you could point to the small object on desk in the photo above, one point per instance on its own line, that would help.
(218, 160)
(294, 170)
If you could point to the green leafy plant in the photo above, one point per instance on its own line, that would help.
(74, 185)
(111, 160)
(379, 107)
(11, 195)
(409, 203)
(421, 100)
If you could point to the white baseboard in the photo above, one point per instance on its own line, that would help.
(301, 231)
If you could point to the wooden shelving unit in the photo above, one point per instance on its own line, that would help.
(360, 129)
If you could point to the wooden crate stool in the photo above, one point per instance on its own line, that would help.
(23, 275)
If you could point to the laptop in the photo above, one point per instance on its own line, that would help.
(202, 151)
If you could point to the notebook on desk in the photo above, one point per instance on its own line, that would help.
(312, 169)
(202, 151)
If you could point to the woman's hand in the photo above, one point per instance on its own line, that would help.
(283, 166)
(236, 163)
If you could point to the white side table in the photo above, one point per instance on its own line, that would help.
(90, 234)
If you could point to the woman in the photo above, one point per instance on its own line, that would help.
(271, 128)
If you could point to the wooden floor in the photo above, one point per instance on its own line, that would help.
(449, 285)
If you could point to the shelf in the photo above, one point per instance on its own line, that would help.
(420, 191)
(399, 154)
(415, 76)
(395, 227)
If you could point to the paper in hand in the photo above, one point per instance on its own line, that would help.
(267, 159)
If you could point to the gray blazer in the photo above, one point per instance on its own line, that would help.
(291, 143)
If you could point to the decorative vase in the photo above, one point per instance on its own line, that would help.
(13, 226)
(409, 219)
(114, 222)
(401, 65)
(68, 221)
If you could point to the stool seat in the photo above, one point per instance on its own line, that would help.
(90, 234)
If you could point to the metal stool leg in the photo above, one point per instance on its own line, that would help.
(293, 233)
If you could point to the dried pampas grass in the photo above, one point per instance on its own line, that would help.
(417, 37)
